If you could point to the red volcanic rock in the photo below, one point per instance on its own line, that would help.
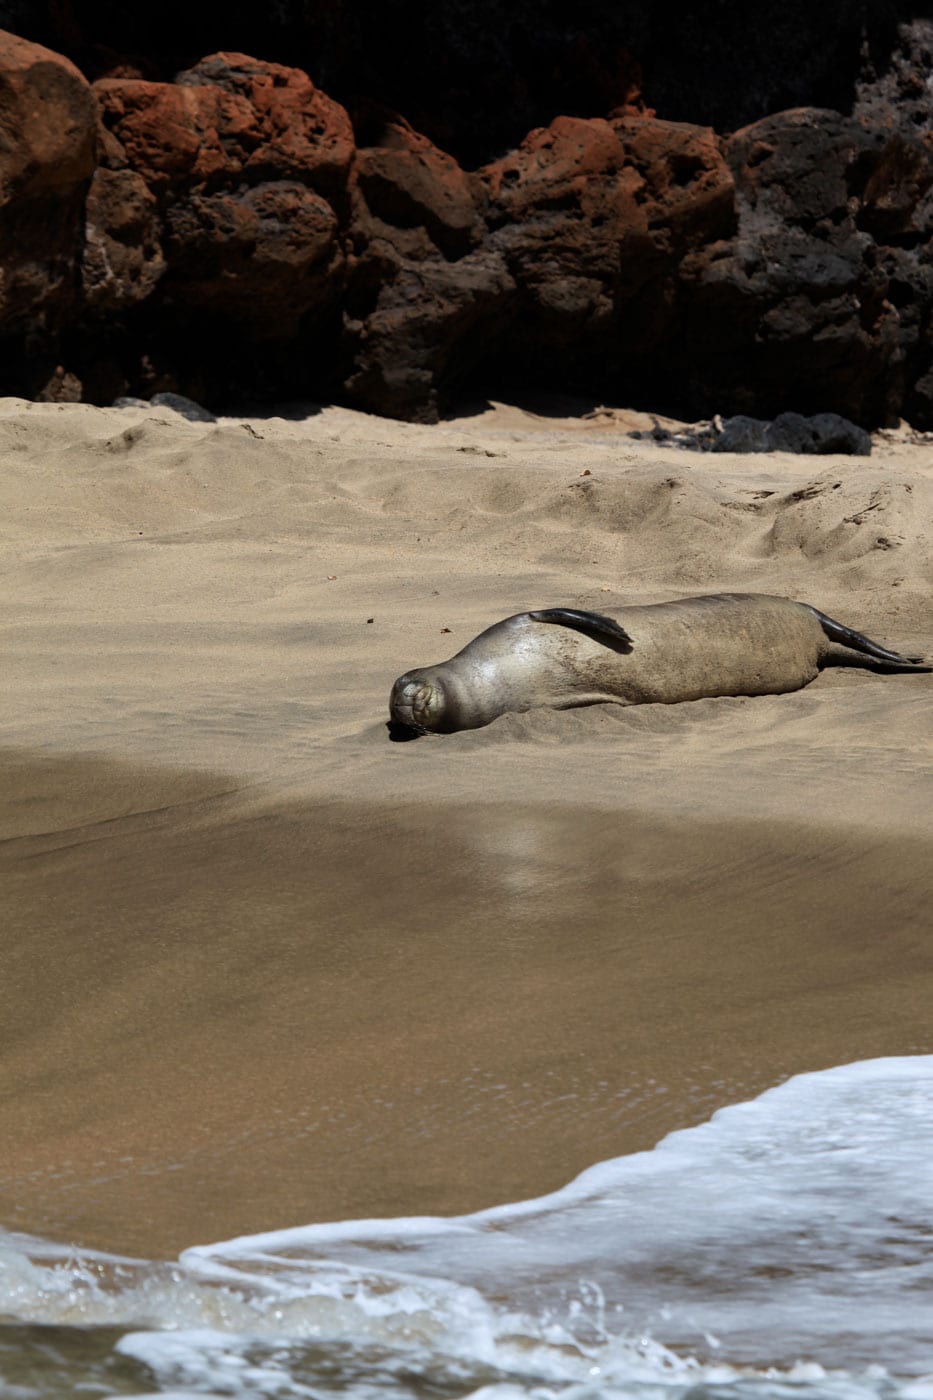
(422, 294)
(584, 189)
(234, 238)
(46, 121)
(565, 192)
(593, 218)
(165, 134)
(559, 209)
(46, 158)
(586, 225)
(407, 182)
(560, 158)
(295, 130)
(123, 257)
(229, 118)
(687, 180)
(228, 173)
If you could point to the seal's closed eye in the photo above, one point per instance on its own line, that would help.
(601, 629)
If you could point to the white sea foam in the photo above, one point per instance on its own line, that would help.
(785, 1248)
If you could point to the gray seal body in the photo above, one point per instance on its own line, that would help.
(661, 653)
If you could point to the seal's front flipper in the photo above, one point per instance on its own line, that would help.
(601, 629)
(845, 637)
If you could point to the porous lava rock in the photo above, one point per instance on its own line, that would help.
(406, 182)
(593, 219)
(788, 266)
(818, 301)
(556, 263)
(229, 117)
(232, 233)
(240, 163)
(46, 162)
(123, 258)
(213, 230)
(424, 295)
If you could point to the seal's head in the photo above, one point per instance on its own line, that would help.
(419, 702)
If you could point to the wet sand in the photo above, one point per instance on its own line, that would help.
(263, 966)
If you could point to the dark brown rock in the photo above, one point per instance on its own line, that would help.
(800, 308)
(123, 259)
(587, 223)
(406, 182)
(594, 219)
(234, 241)
(423, 296)
(216, 214)
(46, 160)
(426, 333)
(260, 257)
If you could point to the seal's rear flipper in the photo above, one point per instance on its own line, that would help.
(601, 629)
(854, 641)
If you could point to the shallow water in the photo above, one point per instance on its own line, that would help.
(783, 1248)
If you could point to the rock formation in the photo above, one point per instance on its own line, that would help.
(46, 163)
(232, 234)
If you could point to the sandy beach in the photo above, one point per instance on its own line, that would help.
(263, 966)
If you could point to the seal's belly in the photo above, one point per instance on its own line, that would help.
(714, 670)
(685, 653)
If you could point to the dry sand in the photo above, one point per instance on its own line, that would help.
(262, 966)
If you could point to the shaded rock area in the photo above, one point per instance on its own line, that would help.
(236, 233)
(47, 157)
(476, 75)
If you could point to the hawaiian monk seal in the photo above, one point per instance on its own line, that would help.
(722, 644)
